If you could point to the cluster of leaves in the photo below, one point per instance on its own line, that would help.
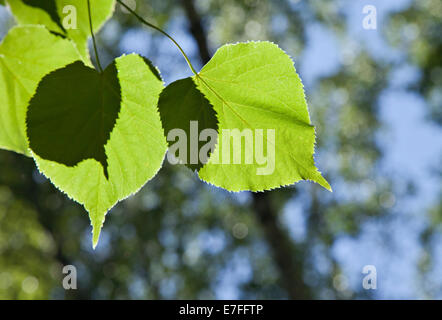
(100, 136)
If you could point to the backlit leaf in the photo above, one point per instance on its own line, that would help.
(135, 150)
(50, 7)
(27, 54)
(254, 86)
(71, 18)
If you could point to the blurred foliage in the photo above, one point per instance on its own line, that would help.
(417, 32)
(180, 238)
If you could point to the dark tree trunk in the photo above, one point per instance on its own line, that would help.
(197, 30)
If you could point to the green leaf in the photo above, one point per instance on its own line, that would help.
(135, 150)
(255, 86)
(180, 103)
(27, 54)
(2, 2)
(50, 7)
(60, 21)
(72, 114)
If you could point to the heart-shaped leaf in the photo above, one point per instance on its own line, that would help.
(134, 151)
(66, 17)
(27, 54)
(263, 119)
(71, 116)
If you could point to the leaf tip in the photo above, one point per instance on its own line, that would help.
(96, 230)
(324, 183)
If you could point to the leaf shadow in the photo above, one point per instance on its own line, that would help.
(50, 7)
(72, 114)
(182, 106)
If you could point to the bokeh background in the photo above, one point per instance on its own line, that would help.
(375, 97)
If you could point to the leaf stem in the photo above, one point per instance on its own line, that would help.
(93, 36)
(161, 31)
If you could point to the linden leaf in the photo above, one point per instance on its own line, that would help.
(183, 106)
(65, 17)
(27, 54)
(72, 114)
(258, 98)
(50, 7)
(134, 151)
